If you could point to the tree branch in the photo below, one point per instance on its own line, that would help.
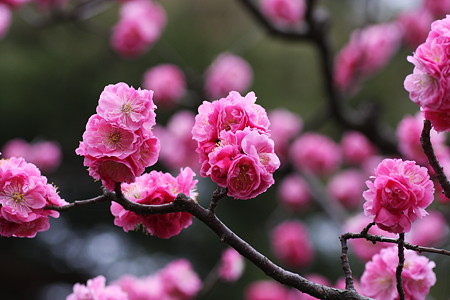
(401, 262)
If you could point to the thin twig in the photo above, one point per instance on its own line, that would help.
(401, 262)
(79, 203)
(349, 285)
(218, 194)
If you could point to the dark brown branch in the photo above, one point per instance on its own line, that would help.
(349, 285)
(218, 194)
(401, 262)
(79, 203)
(427, 147)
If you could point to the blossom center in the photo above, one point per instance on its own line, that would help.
(126, 108)
(114, 138)
(18, 197)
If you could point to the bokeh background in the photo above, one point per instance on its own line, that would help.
(50, 81)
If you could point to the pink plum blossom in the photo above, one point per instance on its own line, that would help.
(284, 126)
(368, 50)
(379, 281)
(24, 195)
(398, 195)
(347, 187)
(356, 148)
(315, 153)
(16, 148)
(228, 72)
(291, 244)
(168, 83)
(176, 137)
(362, 248)
(429, 231)
(439, 8)
(415, 26)
(148, 287)
(231, 265)
(180, 281)
(95, 289)
(294, 192)
(118, 143)
(5, 19)
(266, 290)
(156, 188)
(284, 12)
(139, 27)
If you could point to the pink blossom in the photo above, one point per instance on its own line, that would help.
(415, 26)
(356, 148)
(5, 19)
(347, 188)
(294, 192)
(429, 231)
(266, 290)
(139, 27)
(24, 195)
(156, 188)
(176, 138)
(168, 83)
(362, 248)
(284, 12)
(147, 288)
(95, 289)
(315, 153)
(437, 7)
(291, 244)
(14, 4)
(399, 194)
(16, 147)
(409, 131)
(231, 265)
(180, 281)
(368, 50)
(284, 125)
(228, 72)
(378, 280)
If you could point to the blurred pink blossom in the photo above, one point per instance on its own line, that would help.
(5, 19)
(415, 26)
(266, 290)
(315, 153)
(14, 4)
(291, 244)
(180, 281)
(284, 12)
(356, 148)
(231, 265)
(148, 287)
(228, 72)
(439, 8)
(284, 126)
(347, 187)
(167, 82)
(379, 281)
(95, 289)
(429, 231)
(399, 194)
(139, 27)
(294, 192)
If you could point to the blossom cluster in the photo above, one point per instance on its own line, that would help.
(156, 188)
(428, 84)
(399, 194)
(234, 145)
(24, 194)
(176, 281)
(118, 143)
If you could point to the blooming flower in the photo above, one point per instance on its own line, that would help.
(180, 281)
(428, 231)
(399, 194)
(379, 282)
(294, 192)
(347, 187)
(266, 290)
(356, 148)
(156, 188)
(231, 265)
(284, 12)
(95, 289)
(284, 125)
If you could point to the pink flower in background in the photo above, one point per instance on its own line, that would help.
(409, 131)
(356, 148)
(168, 83)
(428, 231)
(347, 187)
(118, 143)
(148, 288)
(95, 289)
(176, 137)
(378, 280)
(439, 8)
(399, 194)
(266, 290)
(24, 194)
(291, 244)
(368, 50)
(5, 19)
(16, 148)
(156, 188)
(415, 26)
(315, 153)
(284, 125)
(364, 249)
(139, 27)
(284, 12)
(294, 192)
(231, 265)
(14, 4)
(228, 72)
(180, 281)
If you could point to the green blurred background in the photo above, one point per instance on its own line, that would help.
(50, 80)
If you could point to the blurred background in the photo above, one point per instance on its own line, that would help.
(51, 76)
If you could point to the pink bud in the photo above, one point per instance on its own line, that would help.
(294, 193)
(231, 265)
